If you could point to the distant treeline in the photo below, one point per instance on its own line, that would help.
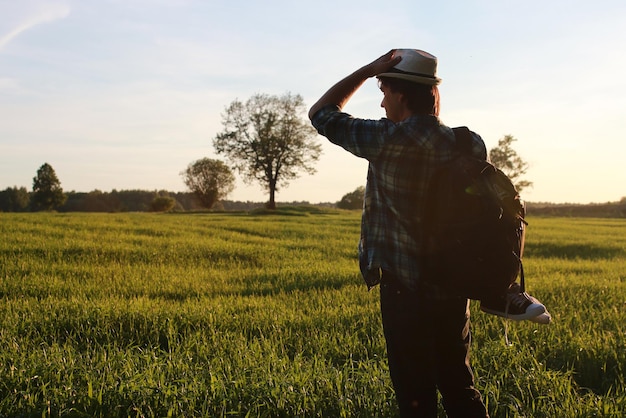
(591, 210)
(17, 200)
(142, 201)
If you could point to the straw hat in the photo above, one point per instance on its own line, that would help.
(416, 65)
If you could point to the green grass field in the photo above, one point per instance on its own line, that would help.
(236, 314)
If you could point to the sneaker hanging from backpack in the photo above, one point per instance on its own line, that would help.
(516, 304)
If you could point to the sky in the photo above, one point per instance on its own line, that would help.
(125, 94)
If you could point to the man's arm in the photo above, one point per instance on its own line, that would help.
(340, 93)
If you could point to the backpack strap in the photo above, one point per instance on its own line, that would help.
(463, 140)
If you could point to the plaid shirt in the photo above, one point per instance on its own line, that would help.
(402, 158)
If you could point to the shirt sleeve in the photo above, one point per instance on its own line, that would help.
(362, 137)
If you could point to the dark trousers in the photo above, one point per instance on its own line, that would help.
(428, 345)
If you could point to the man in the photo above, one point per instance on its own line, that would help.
(426, 330)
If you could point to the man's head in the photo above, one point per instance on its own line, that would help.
(410, 87)
(415, 98)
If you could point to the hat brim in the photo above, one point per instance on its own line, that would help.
(414, 78)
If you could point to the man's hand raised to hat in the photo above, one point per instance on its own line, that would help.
(382, 64)
(340, 93)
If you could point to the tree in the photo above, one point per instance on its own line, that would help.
(504, 157)
(352, 200)
(210, 180)
(14, 199)
(47, 191)
(267, 141)
(162, 203)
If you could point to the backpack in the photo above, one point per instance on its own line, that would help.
(473, 226)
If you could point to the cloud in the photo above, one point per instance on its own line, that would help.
(34, 14)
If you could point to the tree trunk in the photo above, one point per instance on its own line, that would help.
(272, 202)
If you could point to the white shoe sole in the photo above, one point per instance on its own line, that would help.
(532, 311)
(544, 319)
